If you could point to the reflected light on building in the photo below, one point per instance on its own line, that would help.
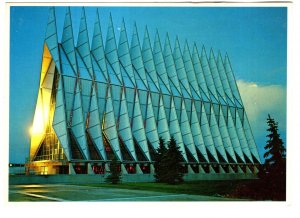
(38, 123)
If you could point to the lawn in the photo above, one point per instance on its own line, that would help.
(209, 188)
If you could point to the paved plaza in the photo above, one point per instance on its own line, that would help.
(67, 193)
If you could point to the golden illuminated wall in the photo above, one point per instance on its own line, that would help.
(41, 115)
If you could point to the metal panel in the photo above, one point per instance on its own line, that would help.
(231, 80)
(97, 50)
(200, 75)
(109, 126)
(216, 135)
(111, 49)
(59, 120)
(67, 40)
(250, 139)
(242, 138)
(78, 125)
(208, 75)
(234, 137)
(94, 125)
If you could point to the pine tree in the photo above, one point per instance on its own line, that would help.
(173, 161)
(274, 174)
(159, 164)
(115, 172)
(275, 154)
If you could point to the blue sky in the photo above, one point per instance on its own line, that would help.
(255, 39)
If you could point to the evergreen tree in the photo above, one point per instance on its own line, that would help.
(275, 154)
(115, 172)
(173, 161)
(160, 158)
(272, 175)
(274, 172)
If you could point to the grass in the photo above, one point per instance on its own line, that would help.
(208, 188)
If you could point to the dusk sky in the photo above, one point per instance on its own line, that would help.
(255, 39)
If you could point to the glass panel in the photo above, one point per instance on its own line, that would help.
(207, 107)
(111, 73)
(66, 66)
(232, 109)
(237, 102)
(84, 73)
(221, 99)
(229, 101)
(126, 79)
(152, 87)
(213, 98)
(177, 102)
(174, 90)
(194, 94)
(203, 95)
(241, 114)
(184, 91)
(163, 88)
(98, 72)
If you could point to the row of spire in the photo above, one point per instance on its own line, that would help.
(192, 76)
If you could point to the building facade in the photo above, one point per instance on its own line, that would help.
(116, 98)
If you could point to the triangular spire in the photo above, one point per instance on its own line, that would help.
(208, 75)
(67, 41)
(224, 78)
(98, 49)
(180, 67)
(83, 47)
(199, 73)
(124, 57)
(111, 50)
(159, 62)
(136, 56)
(216, 77)
(231, 80)
(148, 58)
(51, 37)
(170, 65)
(190, 70)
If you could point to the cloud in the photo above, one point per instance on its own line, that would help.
(261, 100)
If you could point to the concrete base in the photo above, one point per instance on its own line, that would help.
(211, 170)
(100, 178)
(152, 169)
(230, 169)
(123, 169)
(201, 170)
(89, 169)
(221, 169)
(190, 170)
(255, 170)
(239, 169)
(71, 169)
(107, 168)
(248, 170)
(138, 169)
